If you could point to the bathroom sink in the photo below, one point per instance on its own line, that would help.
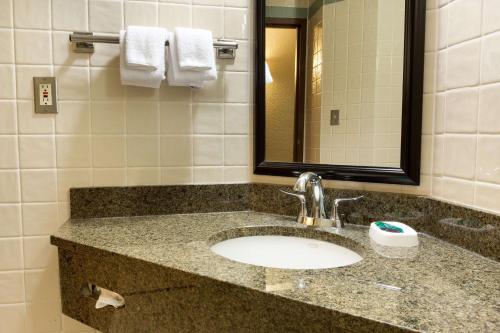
(288, 252)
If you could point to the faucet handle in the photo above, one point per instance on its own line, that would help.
(339, 200)
(335, 212)
(303, 207)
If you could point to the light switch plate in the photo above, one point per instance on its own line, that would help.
(45, 92)
(334, 117)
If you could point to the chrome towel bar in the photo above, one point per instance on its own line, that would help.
(83, 42)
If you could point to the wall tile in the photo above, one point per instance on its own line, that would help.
(43, 316)
(461, 110)
(12, 287)
(39, 219)
(107, 118)
(210, 18)
(490, 67)
(142, 118)
(7, 49)
(236, 3)
(208, 118)
(459, 191)
(39, 253)
(487, 197)
(73, 118)
(8, 117)
(11, 220)
(174, 175)
(38, 186)
(33, 47)
(13, 317)
(8, 147)
(236, 87)
(73, 151)
(175, 118)
(139, 13)
(32, 14)
(105, 84)
(69, 15)
(464, 20)
(108, 151)
(236, 174)
(488, 158)
(12, 246)
(7, 81)
(236, 118)
(31, 122)
(463, 65)
(6, 14)
(208, 175)
(72, 83)
(174, 15)
(9, 191)
(37, 151)
(460, 156)
(236, 150)
(209, 2)
(143, 151)
(143, 176)
(41, 285)
(176, 151)
(491, 16)
(109, 177)
(105, 16)
(489, 100)
(208, 150)
(236, 23)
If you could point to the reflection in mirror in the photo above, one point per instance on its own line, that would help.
(334, 81)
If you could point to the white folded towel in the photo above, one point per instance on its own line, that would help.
(186, 78)
(136, 77)
(145, 47)
(194, 49)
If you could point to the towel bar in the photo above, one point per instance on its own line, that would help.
(83, 42)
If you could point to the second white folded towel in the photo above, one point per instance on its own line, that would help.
(145, 47)
(194, 49)
(188, 78)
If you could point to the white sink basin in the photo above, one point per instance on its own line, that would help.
(286, 252)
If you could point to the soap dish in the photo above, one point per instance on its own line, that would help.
(394, 245)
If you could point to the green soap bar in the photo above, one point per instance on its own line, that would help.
(388, 227)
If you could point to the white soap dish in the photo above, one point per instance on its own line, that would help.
(392, 244)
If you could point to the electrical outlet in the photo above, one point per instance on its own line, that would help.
(45, 94)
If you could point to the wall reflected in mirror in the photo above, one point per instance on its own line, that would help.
(334, 76)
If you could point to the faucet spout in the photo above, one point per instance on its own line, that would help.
(317, 195)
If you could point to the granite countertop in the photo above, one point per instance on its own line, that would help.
(443, 288)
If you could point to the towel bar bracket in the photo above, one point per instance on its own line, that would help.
(82, 46)
(83, 42)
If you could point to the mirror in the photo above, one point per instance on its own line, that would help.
(339, 88)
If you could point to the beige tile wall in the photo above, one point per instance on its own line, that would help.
(467, 97)
(104, 134)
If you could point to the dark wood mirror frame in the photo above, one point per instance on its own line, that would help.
(413, 72)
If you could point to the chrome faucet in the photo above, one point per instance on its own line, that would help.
(317, 195)
(318, 216)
